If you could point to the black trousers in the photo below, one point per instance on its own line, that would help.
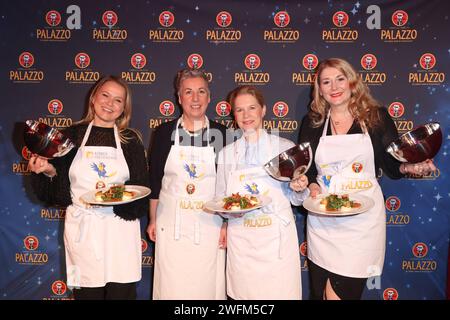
(112, 291)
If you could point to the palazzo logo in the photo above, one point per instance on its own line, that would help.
(59, 287)
(396, 109)
(53, 31)
(418, 263)
(393, 203)
(195, 61)
(55, 118)
(31, 255)
(428, 75)
(370, 75)
(281, 33)
(340, 32)
(399, 32)
(166, 108)
(280, 109)
(82, 73)
(252, 75)
(166, 32)
(138, 75)
(25, 73)
(109, 32)
(21, 167)
(223, 109)
(55, 107)
(147, 258)
(223, 32)
(306, 76)
(390, 294)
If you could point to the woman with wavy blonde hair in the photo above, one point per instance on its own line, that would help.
(348, 132)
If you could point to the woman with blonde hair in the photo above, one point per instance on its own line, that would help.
(102, 243)
(348, 132)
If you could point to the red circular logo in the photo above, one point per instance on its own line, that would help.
(310, 61)
(340, 19)
(427, 61)
(390, 294)
(223, 19)
(31, 243)
(252, 61)
(59, 287)
(138, 60)
(393, 203)
(281, 19)
(399, 18)
(357, 167)
(26, 59)
(166, 19)
(195, 61)
(144, 245)
(166, 108)
(396, 109)
(223, 108)
(420, 250)
(82, 60)
(190, 188)
(280, 109)
(369, 61)
(110, 18)
(304, 249)
(55, 106)
(53, 18)
(26, 153)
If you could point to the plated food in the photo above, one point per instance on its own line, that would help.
(338, 203)
(238, 202)
(113, 194)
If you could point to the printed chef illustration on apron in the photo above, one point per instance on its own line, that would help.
(352, 246)
(97, 241)
(188, 261)
(263, 241)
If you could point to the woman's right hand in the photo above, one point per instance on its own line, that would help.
(314, 190)
(38, 164)
(151, 231)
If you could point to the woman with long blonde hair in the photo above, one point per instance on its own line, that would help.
(102, 243)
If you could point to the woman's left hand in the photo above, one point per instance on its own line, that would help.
(299, 184)
(421, 168)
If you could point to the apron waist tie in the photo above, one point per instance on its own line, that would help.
(85, 222)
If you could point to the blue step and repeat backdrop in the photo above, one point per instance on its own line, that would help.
(53, 51)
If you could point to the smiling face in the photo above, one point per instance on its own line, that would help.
(334, 86)
(248, 113)
(194, 98)
(108, 104)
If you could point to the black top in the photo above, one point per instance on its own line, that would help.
(56, 191)
(163, 140)
(381, 137)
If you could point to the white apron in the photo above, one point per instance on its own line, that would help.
(188, 262)
(352, 246)
(100, 247)
(263, 260)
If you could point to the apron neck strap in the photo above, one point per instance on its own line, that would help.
(327, 121)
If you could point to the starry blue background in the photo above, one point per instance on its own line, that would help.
(424, 202)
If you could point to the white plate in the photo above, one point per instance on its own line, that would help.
(313, 205)
(139, 192)
(216, 205)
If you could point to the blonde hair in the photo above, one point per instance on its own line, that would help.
(123, 120)
(362, 106)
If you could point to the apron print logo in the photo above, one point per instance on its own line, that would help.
(357, 167)
(326, 180)
(253, 188)
(101, 170)
(191, 169)
(190, 188)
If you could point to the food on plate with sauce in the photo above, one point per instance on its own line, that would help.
(114, 193)
(238, 202)
(338, 203)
